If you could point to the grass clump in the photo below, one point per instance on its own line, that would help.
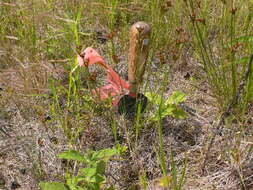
(220, 49)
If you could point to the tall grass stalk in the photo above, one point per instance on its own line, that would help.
(74, 26)
(178, 181)
(161, 152)
(222, 69)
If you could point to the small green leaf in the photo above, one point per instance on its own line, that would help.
(155, 118)
(101, 166)
(99, 179)
(104, 154)
(168, 110)
(78, 178)
(165, 112)
(176, 98)
(179, 113)
(72, 155)
(171, 110)
(121, 149)
(154, 98)
(52, 186)
(71, 183)
(89, 172)
(107, 153)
